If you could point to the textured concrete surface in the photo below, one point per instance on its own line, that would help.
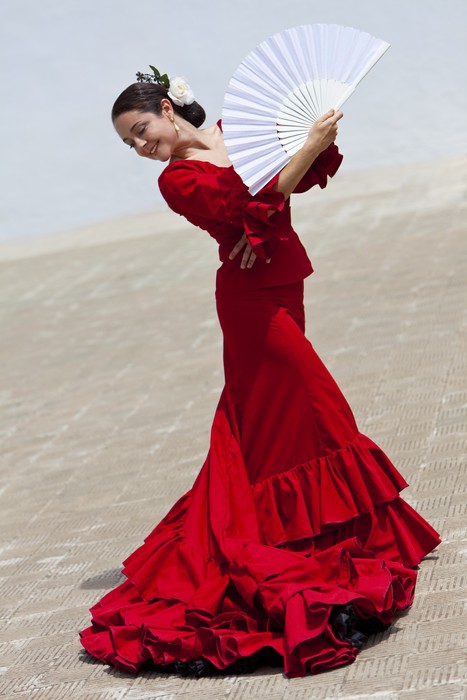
(111, 370)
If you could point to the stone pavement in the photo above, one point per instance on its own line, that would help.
(111, 371)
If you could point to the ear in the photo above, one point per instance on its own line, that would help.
(166, 107)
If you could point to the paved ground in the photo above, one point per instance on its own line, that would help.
(111, 370)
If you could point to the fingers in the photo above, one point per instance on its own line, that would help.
(327, 115)
(331, 117)
(248, 258)
(252, 259)
(238, 247)
(329, 126)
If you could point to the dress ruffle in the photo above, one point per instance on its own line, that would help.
(328, 540)
(353, 491)
(326, 165)
(260, 218)
(318, 495)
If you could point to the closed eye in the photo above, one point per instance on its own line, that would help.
(141, 130)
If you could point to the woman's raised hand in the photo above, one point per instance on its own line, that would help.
(324, 131)
(321, 135)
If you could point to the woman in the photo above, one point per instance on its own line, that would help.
(293, 544)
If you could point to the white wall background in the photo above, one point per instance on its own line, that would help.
(63, 62)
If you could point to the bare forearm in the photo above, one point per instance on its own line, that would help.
(296, 168)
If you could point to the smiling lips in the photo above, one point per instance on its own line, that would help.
(151, 152)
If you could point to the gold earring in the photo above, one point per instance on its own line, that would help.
(176, 127)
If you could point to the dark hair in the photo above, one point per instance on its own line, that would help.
(146, 97)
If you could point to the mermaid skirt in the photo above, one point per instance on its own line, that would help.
(293, 543)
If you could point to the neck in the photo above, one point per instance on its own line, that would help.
(191, 139)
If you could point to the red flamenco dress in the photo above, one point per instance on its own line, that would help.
(293, 544)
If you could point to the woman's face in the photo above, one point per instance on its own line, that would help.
(151, 135)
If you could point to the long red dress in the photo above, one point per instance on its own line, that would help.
(293, 540)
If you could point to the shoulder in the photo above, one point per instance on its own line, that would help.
(197, 188)
(178, 177)
(183, 176)
(177, 167)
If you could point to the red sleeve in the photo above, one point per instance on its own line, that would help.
(209, 197)
(324, 166)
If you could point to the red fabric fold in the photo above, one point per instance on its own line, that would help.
(318, 495)
(259, 215)
(326, 165)
(293, 600)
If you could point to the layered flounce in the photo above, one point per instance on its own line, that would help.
(352, 492)
(215, 582)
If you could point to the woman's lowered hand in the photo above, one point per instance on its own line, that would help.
(248, 257)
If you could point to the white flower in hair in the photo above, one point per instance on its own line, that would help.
(180, 92)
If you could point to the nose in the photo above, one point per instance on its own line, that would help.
(140, 146)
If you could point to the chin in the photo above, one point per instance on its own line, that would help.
(162, 157)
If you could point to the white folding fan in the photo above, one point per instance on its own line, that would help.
(283, 86)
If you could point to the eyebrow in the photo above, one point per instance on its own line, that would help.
(135, 124)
